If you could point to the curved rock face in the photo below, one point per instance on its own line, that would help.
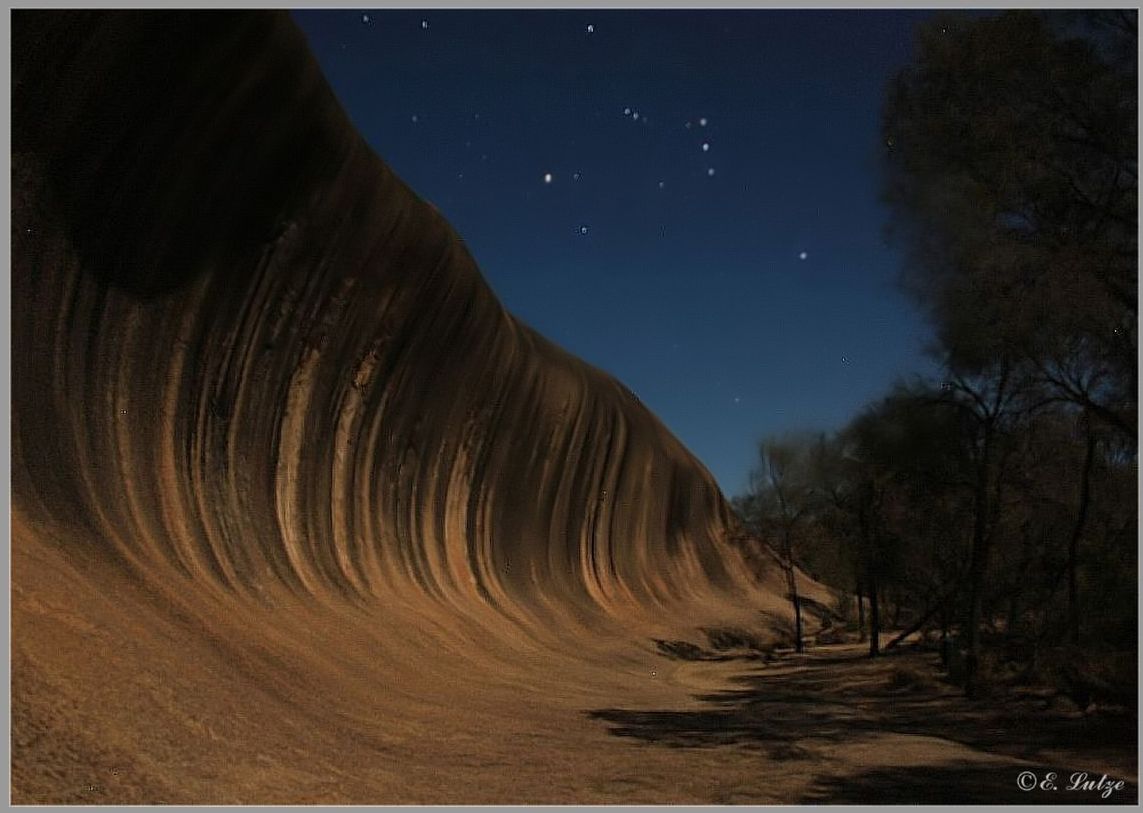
(253, 371)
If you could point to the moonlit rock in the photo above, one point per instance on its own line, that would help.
(342, 444)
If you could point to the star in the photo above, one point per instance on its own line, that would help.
(710, 172)
(702, 122)
(803, 255)
(365, 18)
(424, 25)
(590, 28)
(547, 177)
(583, 229)
(705, 147)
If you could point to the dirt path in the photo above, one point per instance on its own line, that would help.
(832, 726)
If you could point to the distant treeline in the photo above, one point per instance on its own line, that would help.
(996, 505)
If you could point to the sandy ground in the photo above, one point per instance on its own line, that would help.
(121, 695)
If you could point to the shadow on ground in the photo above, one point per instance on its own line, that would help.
(835, 696)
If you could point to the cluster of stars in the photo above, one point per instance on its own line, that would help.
(634, 114)
(628, 112)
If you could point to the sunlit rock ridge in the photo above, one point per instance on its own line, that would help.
(259, 378)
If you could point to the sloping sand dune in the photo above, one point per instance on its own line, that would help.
(300, 512)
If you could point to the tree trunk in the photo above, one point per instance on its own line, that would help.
(799, 643)
(945, 635)
(939, 606)
(1077, 533)
(977, 568)
(874, 619)
(792, 587)
(860, 615)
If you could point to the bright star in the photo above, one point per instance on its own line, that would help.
(803, 255)
(547, 177)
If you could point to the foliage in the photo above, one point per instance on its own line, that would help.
(997, 503)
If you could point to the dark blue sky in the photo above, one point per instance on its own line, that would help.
(677, 269)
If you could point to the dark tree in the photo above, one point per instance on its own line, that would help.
(783, 495)
(1012, 173)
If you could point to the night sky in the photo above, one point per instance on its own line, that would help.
(686, 199)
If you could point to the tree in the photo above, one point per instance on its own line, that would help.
(1011, 172)
(783, 494)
